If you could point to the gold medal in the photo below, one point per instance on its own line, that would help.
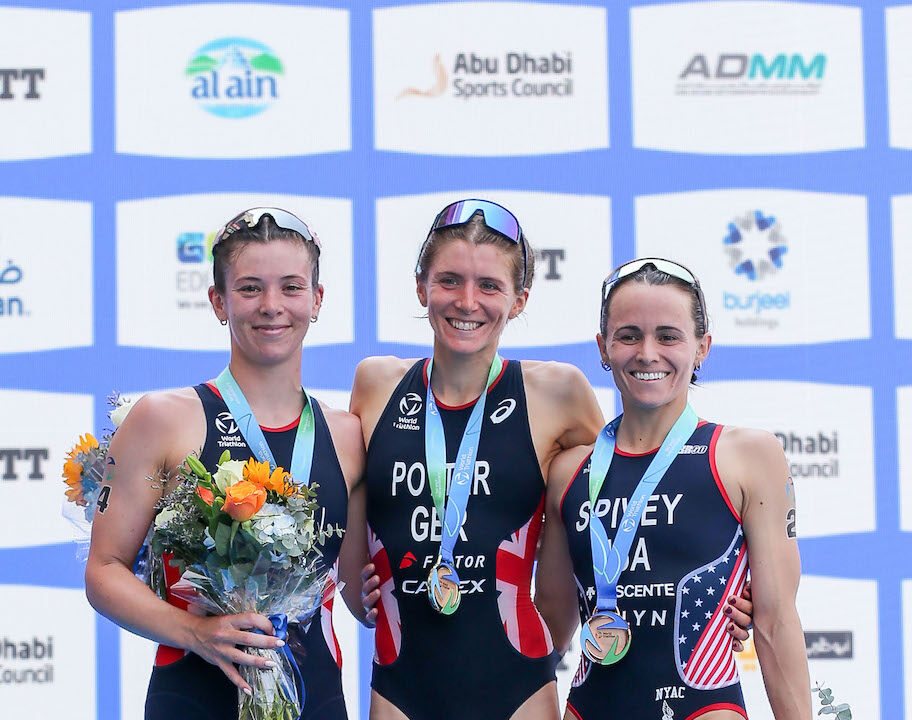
(605, 638)
(443, 592)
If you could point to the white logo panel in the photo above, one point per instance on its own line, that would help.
(45, 83)
(747, 77)
(826, 432)
(335, 399)
(164, 267)
(904, 429)
(907, 637)
(56, 254)
(137, 655)
(765, 260)
(571, 235)
(33, 445)
(899, 75)
(842, 648)
(490, 78)
(47, 633)
(233, 80)
(902, 265)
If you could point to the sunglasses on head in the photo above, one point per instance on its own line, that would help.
(496, 218)
(282, 218)
(669, 267)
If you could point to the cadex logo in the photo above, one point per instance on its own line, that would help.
(234, 77)
(752, 74)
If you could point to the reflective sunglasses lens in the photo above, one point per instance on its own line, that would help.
(496, 217)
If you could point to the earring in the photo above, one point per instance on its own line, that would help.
(313, 318)
(605, 366)
(698, 366)
(223, 322)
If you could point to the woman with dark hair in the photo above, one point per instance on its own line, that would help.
(458, 449)
(266, 290)
(651, 525)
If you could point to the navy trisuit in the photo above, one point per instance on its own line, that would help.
(185, 686)
(687, 558)
(495, 651)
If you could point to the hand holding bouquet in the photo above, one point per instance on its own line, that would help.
(246, 539)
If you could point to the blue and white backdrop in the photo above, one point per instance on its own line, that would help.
(725, 134)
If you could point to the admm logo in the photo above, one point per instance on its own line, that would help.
(234, 77)
(752, 74)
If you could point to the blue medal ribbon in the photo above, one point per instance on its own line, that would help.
(302, 454)
(453, 514)
(608, 558)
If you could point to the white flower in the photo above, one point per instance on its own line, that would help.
(229, 473)
(120, 411)
(164, 517)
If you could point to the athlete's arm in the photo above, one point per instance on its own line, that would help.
(141, 448)
(754, 461)
(345, 429)
(375, 380)
(555, 588)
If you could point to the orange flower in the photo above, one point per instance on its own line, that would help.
(243, 500)
(258, 472)
(73, 468)
(205, 494)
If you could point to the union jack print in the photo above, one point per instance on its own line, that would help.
(388, 635)
(523, 625)
(703, 651)
(326, 615)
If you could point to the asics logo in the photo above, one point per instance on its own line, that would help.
(504, 409)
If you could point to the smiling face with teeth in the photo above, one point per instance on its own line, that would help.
(651, 344)
(469, 295)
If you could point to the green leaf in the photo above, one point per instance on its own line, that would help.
(224, 457)
(828, 710)
(222, 537)
(844, 714)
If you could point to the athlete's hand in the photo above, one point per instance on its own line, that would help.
(740, 611)
(370, 594)
(216, 639)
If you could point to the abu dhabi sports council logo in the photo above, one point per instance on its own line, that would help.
(513, 74)
(234, 77)
(755, 245)
(754, 73)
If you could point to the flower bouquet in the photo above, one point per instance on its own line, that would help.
(85, 470)
(245, 539)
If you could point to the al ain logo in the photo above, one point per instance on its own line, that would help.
(436, 90)
(234, 77)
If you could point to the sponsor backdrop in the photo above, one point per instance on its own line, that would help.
(765, 144)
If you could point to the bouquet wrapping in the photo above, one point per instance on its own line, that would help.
(245, 539)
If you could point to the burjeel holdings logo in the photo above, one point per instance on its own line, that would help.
(756, 247)
(752, 73)
(520, 74)
(234, 77)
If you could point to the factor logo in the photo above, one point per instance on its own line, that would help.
(504, 409)
(225, 423)
(410, 404)
(407, 561)
(755, 245)
(234, 77)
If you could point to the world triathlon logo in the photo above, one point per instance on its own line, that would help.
(234, 77)
(755, 245)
